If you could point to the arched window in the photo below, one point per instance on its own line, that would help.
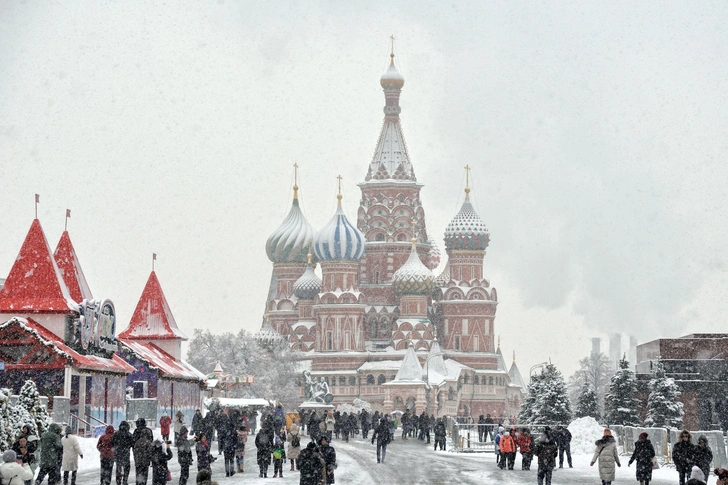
(380, 237)
(450, 394)
(381, 379)
(467, 378)
(490, 380)
(370, 380)
(342, 381)
(352, 380)
(476, 381)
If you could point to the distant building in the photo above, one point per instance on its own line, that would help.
(699, 365)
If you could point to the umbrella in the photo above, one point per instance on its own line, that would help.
(397, 412)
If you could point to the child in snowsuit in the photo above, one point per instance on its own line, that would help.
(278, 453)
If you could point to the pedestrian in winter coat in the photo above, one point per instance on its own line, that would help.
(71, 452)
(140, 429)
(383, 435)
(563, 440)
(179, 422)
(122, 442)
(184, 455)
(197, 423)
(12, 471)
(643, 454)
(164, 423)
(683, 453)
(50, 446)
(264, 444)
(722, 475)
(312, 465)
(545, 449)
(607, 454)
(330, 423)
(242, 433)
(507, 451)
(106, 453)
(279, 452)
(22, 450)
(160, 456)
(524, 445)
(142, 454)
(229, 441)
(294, 445)
(365, 424)
(440, 434)
(329, 455)
(703, 455)
(496, 441)
(202, 448)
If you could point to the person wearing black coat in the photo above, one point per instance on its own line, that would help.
(160, 457)
(184, 455)
(563, 440)
(122, 441)
(383, 434)
(440, 434)
(365, 423)
(643, 454)
(264, 444)
(703, 455)
(311, 465)
(329, 455)
(683, 455)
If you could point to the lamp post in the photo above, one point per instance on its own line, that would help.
(530, 373)
(427, 375)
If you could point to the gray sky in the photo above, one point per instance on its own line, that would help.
(596, 133)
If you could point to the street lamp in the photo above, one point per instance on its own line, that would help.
(427, 375)
(530, 373)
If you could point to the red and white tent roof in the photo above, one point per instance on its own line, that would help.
(152, 318)
(35, 284)
(166, 363)
(70, 269)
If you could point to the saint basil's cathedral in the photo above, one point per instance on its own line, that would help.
(378, 325)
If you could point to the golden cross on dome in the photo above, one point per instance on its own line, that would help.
(392, 39)
(339, 196)
(467, 179)
(309, 251)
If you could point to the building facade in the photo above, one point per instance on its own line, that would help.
(377, 324)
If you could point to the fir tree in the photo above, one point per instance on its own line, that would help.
(29, 400)
(547, 401)
(587, 404)
(5, 435)
(663, 408)
(621, 401)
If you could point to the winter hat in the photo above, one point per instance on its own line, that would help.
(500, 429)
(203, 476)
(697, 473)
(644, 436)
(607, 432)
(721, 472)
(507, 433)
(9, 456)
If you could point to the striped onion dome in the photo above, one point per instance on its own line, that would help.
(467, 230)
(289, 243)
(308, 285)
(413, 278)
(339, 239)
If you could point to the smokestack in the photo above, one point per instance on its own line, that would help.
(596, 345)
(632, 356)
(615, 349)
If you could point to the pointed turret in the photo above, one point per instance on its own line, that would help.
(391, 160)
(410, 369)
(501, 361)
(35, 284)
(67, 261)
(515, 374)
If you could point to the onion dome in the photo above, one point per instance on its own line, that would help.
(308, 285)
(391, 79)
(433, 258)
(467, 230)
(413, 278)
(339, 239)
(289, 243)
(267, 335)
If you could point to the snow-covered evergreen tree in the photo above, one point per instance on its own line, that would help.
(29, 399)
(547, 401)
(5, 436)
(663, 408)
(621, 402)
(586, 404)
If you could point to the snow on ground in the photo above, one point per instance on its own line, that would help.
(408, 462)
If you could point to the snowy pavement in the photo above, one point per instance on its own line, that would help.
(408, 462)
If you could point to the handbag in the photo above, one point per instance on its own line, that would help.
(655, 465)
(169, 475)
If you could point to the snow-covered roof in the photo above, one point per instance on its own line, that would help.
(501, 360)
(166, 363)
(410, 368)
(152, 318)
(380, 365)
(35, 284)
(68, 265)
(515, 376)
(235, 402)
(115, 365)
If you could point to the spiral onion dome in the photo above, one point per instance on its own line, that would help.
(339, 240)
(467, 230)
(391, 79)
(413, 278)
(308, 285)
(289, 243)
(433, 259)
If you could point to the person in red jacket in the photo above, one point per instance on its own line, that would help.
(507, 450)
(106, 450)
(524, 445)
(164, 422)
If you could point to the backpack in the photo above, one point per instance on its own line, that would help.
(277, 454)
(295, 441)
